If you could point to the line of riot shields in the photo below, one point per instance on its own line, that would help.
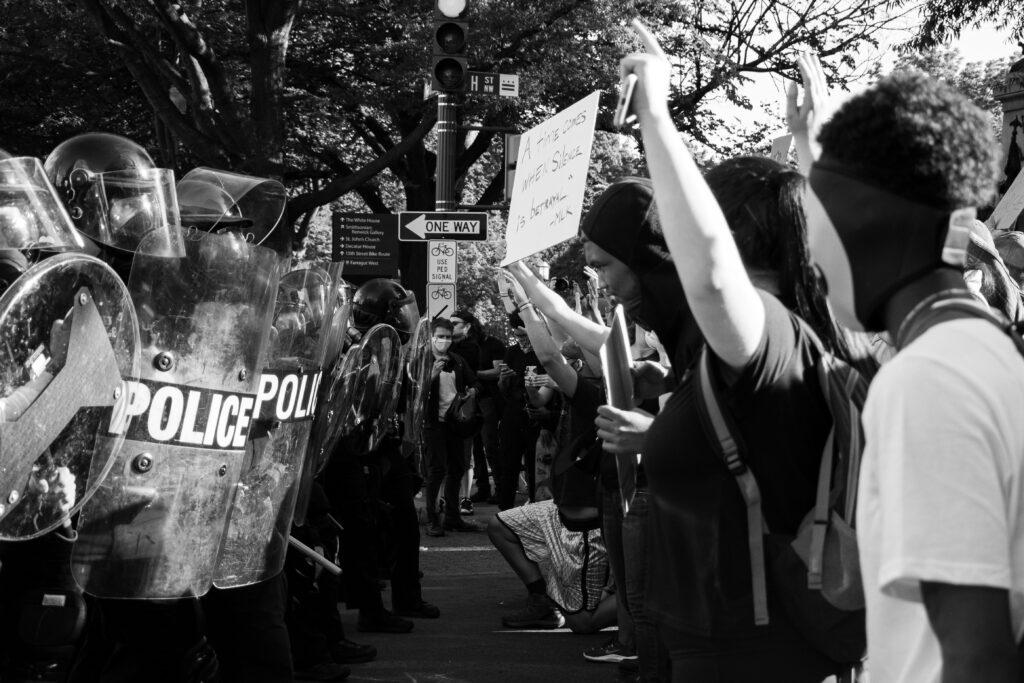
(169, 385)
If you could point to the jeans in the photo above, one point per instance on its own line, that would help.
(611, 529)
(445, 462)
(653, 655)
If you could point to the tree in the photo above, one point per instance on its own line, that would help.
(945, 19)
(977, 80)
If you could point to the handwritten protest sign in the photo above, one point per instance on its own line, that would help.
(551, 174)
(1009, 207)
(780, 148)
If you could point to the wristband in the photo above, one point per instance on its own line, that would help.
(528, 303)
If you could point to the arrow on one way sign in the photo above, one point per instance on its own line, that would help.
(418, 226)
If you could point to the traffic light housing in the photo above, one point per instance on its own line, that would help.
(449, 66)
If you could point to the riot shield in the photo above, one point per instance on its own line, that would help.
(31, 215)
(69, 337)
(420, 358)
(369, 376)
(261, 515)
(325, 431)
(154, 528)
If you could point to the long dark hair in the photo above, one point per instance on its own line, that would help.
(763, 203)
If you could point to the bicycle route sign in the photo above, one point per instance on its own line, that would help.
(420, 226)
(440, 300)
(442, 262)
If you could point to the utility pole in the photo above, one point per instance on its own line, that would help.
(444, 196)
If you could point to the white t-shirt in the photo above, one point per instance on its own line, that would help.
(447, 391)
(940, 495)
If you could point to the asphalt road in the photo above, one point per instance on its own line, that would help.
(473, 586)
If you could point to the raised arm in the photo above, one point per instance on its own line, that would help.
(587, 333)
(724, 303)
(544, 344)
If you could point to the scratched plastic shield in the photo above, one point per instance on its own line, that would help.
(370, 377)
(324, 435)
(154, 528)
(420, 358)
(261, 515)
(69, 335)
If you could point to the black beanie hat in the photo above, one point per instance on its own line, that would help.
(623, 221)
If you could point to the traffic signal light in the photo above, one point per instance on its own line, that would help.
(448, 73)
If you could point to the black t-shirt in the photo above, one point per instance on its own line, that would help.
(515, 393)
(700, 565)
(576, 430)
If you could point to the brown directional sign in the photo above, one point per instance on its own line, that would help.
(366, 242)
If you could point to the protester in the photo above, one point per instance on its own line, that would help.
(483, 352)
(518, 428)
(450, 378)
(940, 491)
(737, 242)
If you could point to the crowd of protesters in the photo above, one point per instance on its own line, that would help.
(749, 289)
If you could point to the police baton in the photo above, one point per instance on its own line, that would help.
(315, 556)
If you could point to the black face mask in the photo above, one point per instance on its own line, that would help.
(870, 243)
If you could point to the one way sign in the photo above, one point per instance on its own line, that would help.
(419, 226)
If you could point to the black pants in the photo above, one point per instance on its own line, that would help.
(518, 444)
(374, 500)
(247, 629)
(487, 445)
(399, 486)
(312, 617)
(445, 455)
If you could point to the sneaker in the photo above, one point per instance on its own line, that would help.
(324, 671)
(538, 613)
(424, 610)
(459, 524)
(347, 652)
(383, 622)
(434, 529)
(465, 506)
(612, 652)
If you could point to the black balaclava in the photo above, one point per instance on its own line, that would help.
(623, 221)
(869, 243)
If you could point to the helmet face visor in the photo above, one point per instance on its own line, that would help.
(221, 201)
(126, 209)
(31, 215)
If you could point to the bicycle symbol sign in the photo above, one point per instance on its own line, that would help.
(442, 262)
(440, 300)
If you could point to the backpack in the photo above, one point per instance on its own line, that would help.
(816, 572)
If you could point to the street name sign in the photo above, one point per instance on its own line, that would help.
(492, 83)
(420, 226)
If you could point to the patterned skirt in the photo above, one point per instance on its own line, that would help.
(574, 564)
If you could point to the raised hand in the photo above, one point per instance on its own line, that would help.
(650, 97)
(805, 118)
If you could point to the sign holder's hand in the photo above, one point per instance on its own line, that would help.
(650, 96)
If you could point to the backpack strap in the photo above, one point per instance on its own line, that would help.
(729, 450)
(815, 559)
(956, 307)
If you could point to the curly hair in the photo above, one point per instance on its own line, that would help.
(917, 137)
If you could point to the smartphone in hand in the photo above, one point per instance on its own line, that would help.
(623, 115)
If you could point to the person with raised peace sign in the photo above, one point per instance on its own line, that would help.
(737, 241)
